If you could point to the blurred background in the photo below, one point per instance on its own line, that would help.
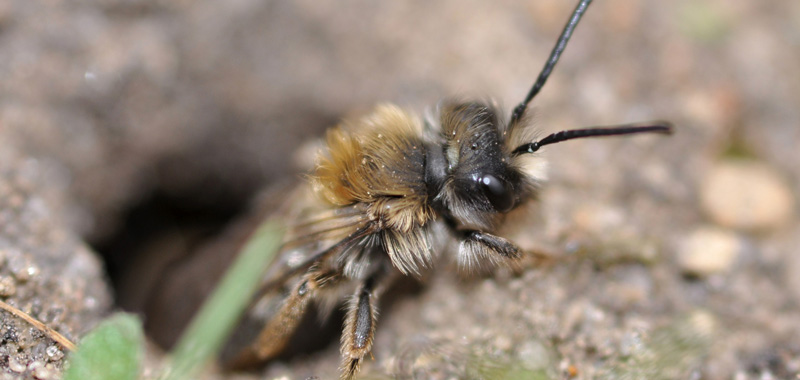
(144, 130)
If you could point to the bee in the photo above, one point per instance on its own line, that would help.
(387, 188)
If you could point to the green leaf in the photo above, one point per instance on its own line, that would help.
(112, 351)
(216, 319)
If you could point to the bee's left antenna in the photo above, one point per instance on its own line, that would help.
(561, 44)
(663, 127)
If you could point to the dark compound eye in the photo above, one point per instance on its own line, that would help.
(496, 192)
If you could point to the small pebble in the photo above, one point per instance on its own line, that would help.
(54, 353)
(503, 343)
(534, 355)
(702, 323)
(572, 371)
(15, 366)
(708, 251)
(26, 337)
(746, 194)
(32, 271)
(19, 268)
(44, 372)
(8, 287)
(34, 365)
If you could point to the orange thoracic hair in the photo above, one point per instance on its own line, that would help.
(378, 161)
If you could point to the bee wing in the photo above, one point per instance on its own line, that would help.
(311, 225)
(313, 237)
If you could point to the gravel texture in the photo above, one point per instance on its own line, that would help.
(46, 271)
(104, 103)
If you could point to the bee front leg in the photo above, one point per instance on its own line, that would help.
(500, 246)
(359, 327)
(478, 248)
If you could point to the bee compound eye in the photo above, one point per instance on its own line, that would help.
(496, 192)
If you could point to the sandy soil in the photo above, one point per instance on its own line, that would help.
(145, 129)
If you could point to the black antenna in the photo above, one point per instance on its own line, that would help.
(664, 127)
(561, 44)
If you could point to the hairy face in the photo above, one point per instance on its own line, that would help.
(481, 179)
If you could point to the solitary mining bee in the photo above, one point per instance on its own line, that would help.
(389, 186)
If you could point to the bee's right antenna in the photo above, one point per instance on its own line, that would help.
(561, 44)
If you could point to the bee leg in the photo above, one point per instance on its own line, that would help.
(500, 246)
(275, 335)
(359, 327)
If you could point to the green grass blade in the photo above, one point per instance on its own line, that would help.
(216, 319)
(112, 351)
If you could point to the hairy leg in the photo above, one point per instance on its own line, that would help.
(481, 250)
(359, 327)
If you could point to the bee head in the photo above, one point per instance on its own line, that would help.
(472, 174)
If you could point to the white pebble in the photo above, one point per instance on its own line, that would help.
(745, 194)
(16, 366)
(709, 250)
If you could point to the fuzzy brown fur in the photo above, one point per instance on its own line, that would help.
(379, 162)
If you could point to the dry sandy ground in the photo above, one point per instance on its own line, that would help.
(143, 129)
